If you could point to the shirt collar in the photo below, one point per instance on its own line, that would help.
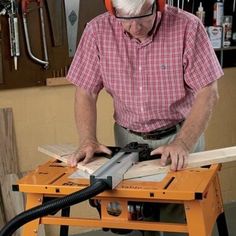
(153, 32)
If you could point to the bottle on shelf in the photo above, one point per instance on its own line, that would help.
(227, 30)
(218, 13)
(201, 13)
(234, 24)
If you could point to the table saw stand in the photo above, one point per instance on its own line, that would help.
(197, 189)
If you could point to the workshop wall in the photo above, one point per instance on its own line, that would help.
(221, 131)
(45, 116)
(56, 16)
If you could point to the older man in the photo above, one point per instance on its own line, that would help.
(158, 65)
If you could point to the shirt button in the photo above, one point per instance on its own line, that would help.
(163, 67)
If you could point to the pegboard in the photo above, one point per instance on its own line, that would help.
(30, 73)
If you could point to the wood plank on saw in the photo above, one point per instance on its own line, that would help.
(63, 152)
(145, 168)
(197, 159)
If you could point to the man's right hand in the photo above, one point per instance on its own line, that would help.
(85, 152)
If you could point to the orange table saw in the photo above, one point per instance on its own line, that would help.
(197, 189)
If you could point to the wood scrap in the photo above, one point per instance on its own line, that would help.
(2, 215)
(145, 168)
(57, 81)
(8, 153)
(13, 201)
(8, 148)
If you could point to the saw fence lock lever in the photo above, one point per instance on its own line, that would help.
(143, 149)
(25, 12)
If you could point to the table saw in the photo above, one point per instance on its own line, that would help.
(197, 189)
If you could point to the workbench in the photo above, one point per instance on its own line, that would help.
(197, 189)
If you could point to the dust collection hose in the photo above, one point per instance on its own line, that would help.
(52, 206)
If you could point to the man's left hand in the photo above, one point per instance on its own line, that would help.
(175, 152)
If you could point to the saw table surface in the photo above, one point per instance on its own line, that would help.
(197, 189)
(54, 178)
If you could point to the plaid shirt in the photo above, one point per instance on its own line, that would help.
(153, 84)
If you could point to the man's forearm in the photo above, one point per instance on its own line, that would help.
(85, 115)
(198, 117)
(86, 119)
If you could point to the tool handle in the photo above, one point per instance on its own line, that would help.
(145, 155)
(25, 4)
(14, 36)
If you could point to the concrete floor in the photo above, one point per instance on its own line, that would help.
(230, 212)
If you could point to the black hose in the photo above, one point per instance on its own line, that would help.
(52, 206)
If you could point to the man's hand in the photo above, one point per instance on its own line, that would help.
(86, 152)
(175, 152)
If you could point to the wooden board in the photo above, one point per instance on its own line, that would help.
(8, 153)
(197, 159)
(8, 149)
(2, 216)
(13, 201)
(63, 151)
(57, 81)
(146, 168)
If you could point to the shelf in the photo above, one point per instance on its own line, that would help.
(226, 48)
(220, 52)
(57, 81)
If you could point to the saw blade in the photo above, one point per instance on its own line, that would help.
(72, 22)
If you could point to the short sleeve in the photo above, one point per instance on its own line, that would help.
(85, 67)
(201, 66)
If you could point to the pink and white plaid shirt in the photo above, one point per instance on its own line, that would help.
(153, 84)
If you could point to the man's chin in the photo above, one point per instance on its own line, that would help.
(140, 37)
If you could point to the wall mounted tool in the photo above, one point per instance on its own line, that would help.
(1, 67)
(72, 19)
(55, 9)
(25, 11)
(10, 8)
